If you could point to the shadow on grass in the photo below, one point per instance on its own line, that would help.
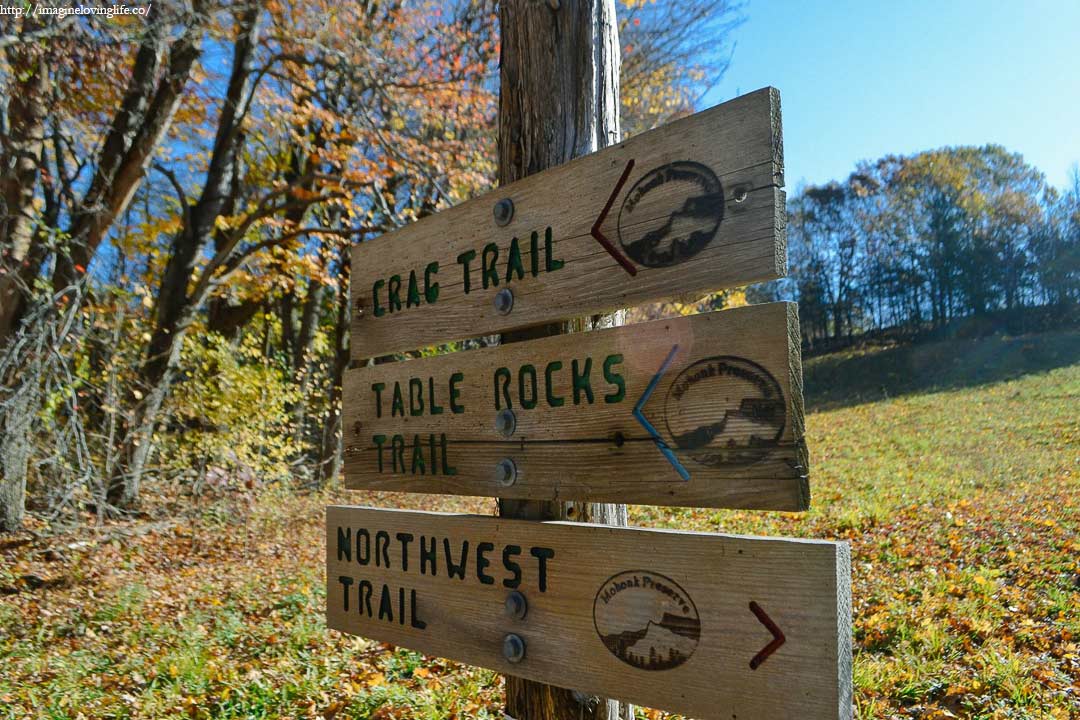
(853, 377)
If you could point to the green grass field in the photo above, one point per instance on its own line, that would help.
(952, 469)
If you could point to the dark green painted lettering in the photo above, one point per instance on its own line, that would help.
(431, 290)
(363, 546)
(513, 567)
(416, 397)
(550, 263)
(614, 378)
(379, 440)
(458, 570)
(412, 297)
(549, 384)
(489, 274)
(376, 308)
(446, 468)
(404, 538)
(397, 450)
(344, 544)
(464, 259)
(482, 562)
(414, 620)
(434, 455)
(364, 592)
(581, 381)
(528, 401)
(394, 292)
(401, 606)
(378, 388)
(428, 557)
(542, 555)
(456, 407)
(382, 549)
(346, 583)
(513, 263)
(534, 254)
(386, 606)
(418, 456)
(504, 374)
(434, 409)
(397, 405)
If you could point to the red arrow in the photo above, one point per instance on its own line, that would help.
(778, 636)
(600, 238)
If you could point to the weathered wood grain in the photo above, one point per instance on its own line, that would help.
(695, 206)
(727, 405)
(682, 640)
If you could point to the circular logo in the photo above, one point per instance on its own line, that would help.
(725, 411)
(671, 214)
(646, 620)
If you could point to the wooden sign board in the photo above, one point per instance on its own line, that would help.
(714, 626)
(700, 411)
(690, 207)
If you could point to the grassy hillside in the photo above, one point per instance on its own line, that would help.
(953, 470)
(857, 376)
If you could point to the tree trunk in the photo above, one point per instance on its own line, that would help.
(177, 307)
(16, 419)
(140, 125)
(559, 100)
(305, 339)
(20, 260)
(330, 457)
(26, 109)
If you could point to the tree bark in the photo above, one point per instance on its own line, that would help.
(176, 306)
(15, 444)
(559, 100)
(331, 455)
(139, 126)
(20, 258)
(22, 150)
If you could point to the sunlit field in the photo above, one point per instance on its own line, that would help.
(957, 490)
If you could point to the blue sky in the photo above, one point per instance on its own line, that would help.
(859, 80)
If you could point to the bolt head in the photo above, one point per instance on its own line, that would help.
(503, 212)
(513, 648)
(506, 422)
(506, 472)
(516, 605)
(504, 301)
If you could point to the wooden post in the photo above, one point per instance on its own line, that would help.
(558, 100)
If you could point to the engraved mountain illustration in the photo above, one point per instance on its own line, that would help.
(658, 645)
(684, 234)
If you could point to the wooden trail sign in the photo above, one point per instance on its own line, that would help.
(715, 626)
(702, 411)
(690, 207)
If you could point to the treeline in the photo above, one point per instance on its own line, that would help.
(178, 198)
(965, 239)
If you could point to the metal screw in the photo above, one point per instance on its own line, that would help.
(516, 605)
(504, 212)
(739, 193)
(513, 648)
(506, 472)
(504, 301)
(506, 422)
(553, 4)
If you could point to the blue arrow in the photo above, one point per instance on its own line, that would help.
(640, 416)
